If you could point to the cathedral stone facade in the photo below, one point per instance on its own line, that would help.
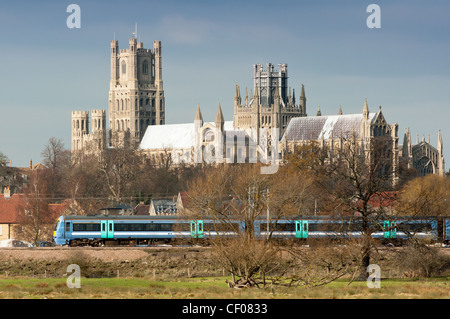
(422, 156)
(267, 124)
(136, 101)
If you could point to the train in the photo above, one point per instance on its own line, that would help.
(140, 230)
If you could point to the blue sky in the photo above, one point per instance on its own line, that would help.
(49, 70)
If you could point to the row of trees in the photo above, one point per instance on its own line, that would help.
(353, 185)
(109, 177)
(91, 182)
(308, 183)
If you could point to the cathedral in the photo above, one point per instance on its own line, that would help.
(267, 124)
(136, 101)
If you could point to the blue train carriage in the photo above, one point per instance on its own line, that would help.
(446, 230)
(397, 231)
(136, 230)
(101, 230)
(308, 227)
(326, 227)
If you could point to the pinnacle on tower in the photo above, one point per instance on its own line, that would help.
(302, 102)
(319, 113)
(340, 110)
(366, 109)
(237, 93)
(219, 118)
(246, 97)
(198, 116)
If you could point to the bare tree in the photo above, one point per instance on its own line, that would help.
(353, 181)
(35, 216)
(56, 159)
(230, 193)
(3, 158)
(120, 167)
(425, 196)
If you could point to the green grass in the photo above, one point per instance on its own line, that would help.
(213, 288)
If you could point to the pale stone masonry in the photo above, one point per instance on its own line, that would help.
(136, 100)
(265, 116)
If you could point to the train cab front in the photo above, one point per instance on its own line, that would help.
(58, 234)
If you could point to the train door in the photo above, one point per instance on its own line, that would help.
(390, 229)
(107, 229)
(197, 228)
(301, 229)
(447, 230)
(68, 229)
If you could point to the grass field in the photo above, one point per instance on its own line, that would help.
(214, 288)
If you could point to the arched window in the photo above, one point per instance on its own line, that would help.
(145, 67)
(153, 68)
(123, 67)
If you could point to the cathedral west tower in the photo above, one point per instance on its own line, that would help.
(136, 101)
(136, 93)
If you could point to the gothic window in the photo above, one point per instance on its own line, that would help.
(145, 67)
(124, 67)
(153, 68)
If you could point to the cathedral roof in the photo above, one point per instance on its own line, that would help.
(318, 127)
(173, 136)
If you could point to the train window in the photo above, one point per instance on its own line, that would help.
(278, 226)
(182, 227)
(68, 226)
(165, 227)
(220, 226)
(136, 227)
(415, 227)
(86, 227)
